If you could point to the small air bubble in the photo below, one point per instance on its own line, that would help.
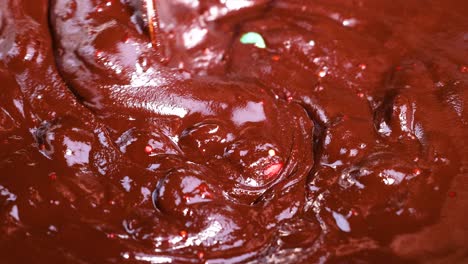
(271, 152)
(349, 22)
(322, 73)
(54, 202)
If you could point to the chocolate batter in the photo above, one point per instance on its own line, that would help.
(256, 131)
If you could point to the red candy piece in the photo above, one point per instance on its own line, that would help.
(273, 170)
(148, 149)
(53, 176)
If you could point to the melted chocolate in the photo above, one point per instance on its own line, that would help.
(340, 141)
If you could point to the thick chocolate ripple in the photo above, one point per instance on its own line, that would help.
(254, 132)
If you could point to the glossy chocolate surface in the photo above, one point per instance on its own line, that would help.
(336, 133)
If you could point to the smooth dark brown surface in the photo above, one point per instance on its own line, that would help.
(343, 141)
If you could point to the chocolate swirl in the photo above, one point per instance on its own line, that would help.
(336, 138)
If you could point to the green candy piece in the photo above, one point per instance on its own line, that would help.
(253, 38)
